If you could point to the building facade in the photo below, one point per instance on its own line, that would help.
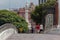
(56, 14)
(42, 1)
(21, 11)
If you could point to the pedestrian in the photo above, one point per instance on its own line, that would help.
(37, 28)
(41, 28)
(31, 29)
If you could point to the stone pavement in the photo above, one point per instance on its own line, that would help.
(55, 31)
(33, 37)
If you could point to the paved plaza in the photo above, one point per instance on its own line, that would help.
(51, 35)
(33, 37)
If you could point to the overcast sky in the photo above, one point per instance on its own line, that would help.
(5, 4)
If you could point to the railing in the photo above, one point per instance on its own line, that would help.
(7, 26)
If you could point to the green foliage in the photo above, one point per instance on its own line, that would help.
(50, 3)
(40, 11)
(12, 17)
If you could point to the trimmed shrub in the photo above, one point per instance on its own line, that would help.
(12, 17)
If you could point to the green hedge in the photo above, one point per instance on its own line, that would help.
(12, 17)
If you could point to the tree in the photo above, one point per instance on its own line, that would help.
(40, 11)
(12, 17)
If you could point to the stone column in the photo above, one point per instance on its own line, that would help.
(26, 15)
(58, 13)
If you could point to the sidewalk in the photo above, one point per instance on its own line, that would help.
(33, 37)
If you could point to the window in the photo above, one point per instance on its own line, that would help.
(42, 1)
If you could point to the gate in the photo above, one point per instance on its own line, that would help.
(49, 22)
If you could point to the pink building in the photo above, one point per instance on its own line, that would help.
(22, 11)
